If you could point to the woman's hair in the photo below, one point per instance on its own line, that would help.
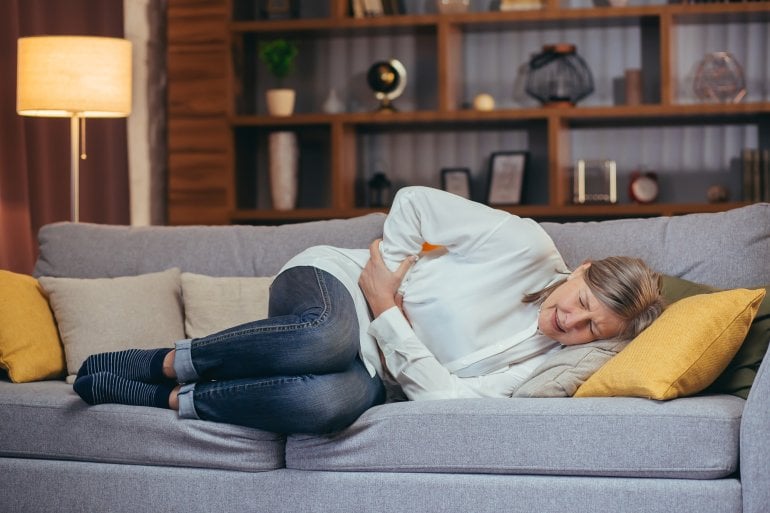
(625, 285)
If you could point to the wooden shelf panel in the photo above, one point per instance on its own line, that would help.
(698, 13)
(621, 113)
(622, 210)
(410, 23)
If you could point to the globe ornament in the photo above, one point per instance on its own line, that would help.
(387, 79)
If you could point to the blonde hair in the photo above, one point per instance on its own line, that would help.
(626, 285)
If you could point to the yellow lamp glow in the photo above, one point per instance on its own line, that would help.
(77, 77)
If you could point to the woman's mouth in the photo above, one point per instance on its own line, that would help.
(556, 325)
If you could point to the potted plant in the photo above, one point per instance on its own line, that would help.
(279, 55)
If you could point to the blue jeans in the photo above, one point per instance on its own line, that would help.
(298, 371)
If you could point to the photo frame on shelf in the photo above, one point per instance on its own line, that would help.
(457, 180)
(595, 181)
(506, 177)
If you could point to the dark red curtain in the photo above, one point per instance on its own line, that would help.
(35, 152)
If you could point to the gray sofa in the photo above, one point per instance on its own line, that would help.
(702, 454)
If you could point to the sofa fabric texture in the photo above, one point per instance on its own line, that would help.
(695, 438)
(47, 420)
(98, 251)
(703, 454)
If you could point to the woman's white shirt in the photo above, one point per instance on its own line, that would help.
(467, 334)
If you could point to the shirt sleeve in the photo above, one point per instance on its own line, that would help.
(423, 214)
(414, 367)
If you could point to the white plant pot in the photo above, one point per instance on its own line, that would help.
(284, 169)
(280, 102)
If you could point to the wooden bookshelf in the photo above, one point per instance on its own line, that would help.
(211, 158)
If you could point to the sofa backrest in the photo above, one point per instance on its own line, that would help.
(727, 249)
(95, 251)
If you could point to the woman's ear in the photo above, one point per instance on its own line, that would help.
(579, 270)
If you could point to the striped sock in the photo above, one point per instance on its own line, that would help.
(134, 364)
(105, 387)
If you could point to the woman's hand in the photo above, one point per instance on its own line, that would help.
(379, 284)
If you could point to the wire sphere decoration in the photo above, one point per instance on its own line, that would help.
(719, 78)
(558, 76)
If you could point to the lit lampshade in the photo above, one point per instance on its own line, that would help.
(62, 75)
(76, 77)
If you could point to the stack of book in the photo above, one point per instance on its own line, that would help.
(368, 8)
(520, 5)
(755, 165)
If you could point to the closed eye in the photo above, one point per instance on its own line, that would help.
(591, 325)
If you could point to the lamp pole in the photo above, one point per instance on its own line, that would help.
(75, 167)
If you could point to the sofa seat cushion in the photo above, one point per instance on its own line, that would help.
(693, 438)
(48, 420)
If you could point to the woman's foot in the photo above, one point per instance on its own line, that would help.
(105, 387)
(145, 365)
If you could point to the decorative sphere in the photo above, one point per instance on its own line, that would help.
(484, 101)
(382, 77)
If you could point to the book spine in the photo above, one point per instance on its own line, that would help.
(357, 8)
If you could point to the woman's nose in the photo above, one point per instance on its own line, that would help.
(576, 319)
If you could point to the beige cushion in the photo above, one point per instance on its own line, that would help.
(110, 314)
(213, 304)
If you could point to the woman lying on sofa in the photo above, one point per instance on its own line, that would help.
(470, 318)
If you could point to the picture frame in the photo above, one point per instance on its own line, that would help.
(457, 180)
(506, 177)
(595, 181)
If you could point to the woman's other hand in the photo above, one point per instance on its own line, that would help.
(379, 284)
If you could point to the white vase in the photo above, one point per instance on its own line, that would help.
(333, 103)
(280, 102)
(284, 169)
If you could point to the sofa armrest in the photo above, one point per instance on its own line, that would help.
(755, 443)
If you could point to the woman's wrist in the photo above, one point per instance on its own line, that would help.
(380, 306)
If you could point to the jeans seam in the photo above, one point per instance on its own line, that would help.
(289, 327)
(262, 383)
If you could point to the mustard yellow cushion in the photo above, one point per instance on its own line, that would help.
(683, 351)
(30, 349)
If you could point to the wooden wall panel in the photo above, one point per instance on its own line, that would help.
(199, 146)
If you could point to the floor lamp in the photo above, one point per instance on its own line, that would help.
(77, 77)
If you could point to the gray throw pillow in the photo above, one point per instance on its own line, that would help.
(110, 314)
(565, 370)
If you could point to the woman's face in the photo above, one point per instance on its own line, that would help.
(572, 315)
